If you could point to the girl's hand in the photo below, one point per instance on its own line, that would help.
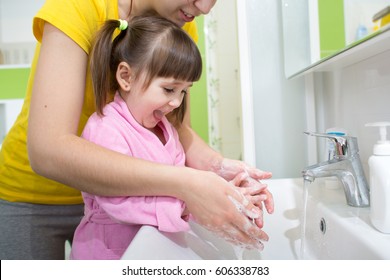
(256, 192)
(230, 168)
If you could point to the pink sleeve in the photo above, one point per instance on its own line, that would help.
(180, 154)
(164, 212)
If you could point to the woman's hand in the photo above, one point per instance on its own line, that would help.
(218, 206)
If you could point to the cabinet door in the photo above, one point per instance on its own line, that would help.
(9, 110)
(17, 42)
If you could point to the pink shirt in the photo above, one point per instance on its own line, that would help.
(110, 223)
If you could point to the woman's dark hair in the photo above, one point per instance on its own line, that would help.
(151, 45)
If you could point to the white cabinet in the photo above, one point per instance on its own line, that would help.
(9, 110)
(355, 53)
(315, 31)
(16, 38)
(17, 45)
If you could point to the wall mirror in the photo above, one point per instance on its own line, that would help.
(315, 30)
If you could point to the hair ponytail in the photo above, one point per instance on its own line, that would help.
(101, 63)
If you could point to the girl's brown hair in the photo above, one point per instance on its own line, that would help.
(151, 45)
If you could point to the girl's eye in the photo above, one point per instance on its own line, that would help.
(172, 90)
(169, 90)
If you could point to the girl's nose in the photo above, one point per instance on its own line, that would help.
(204, 6)
(175, 102)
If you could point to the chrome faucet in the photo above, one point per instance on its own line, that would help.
(345, 164)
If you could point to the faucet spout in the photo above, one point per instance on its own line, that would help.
(348, 169)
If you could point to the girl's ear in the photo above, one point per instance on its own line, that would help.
(123, 76)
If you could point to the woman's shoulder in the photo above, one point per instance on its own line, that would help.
(77, 19)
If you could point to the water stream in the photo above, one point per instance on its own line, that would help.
(303, 218)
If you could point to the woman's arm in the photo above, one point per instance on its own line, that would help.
(55, 150)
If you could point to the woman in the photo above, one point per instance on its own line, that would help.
(41, 179)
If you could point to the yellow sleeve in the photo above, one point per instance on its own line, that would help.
(192, 30)
(78, 19)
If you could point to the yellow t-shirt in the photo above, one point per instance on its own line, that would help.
(79, 20)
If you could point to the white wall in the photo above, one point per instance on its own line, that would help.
(16, 20)
(352, 97)
(222, 65)
(278, 103)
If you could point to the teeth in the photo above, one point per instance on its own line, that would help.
(187, 14)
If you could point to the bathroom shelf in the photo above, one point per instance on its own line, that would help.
(372, 45)
(15, 66)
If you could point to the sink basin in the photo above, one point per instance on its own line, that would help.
(333, 230)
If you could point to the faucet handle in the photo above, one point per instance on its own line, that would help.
(344, 145)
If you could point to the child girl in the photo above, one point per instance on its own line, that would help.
(145, 72)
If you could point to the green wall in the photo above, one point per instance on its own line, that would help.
(199, 108)
(13, 82)
(331, 24)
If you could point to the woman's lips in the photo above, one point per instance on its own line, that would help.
(186, 16)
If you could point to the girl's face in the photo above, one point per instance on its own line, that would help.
(163, 95)
(182, 11)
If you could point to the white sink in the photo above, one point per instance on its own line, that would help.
(333, 230)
